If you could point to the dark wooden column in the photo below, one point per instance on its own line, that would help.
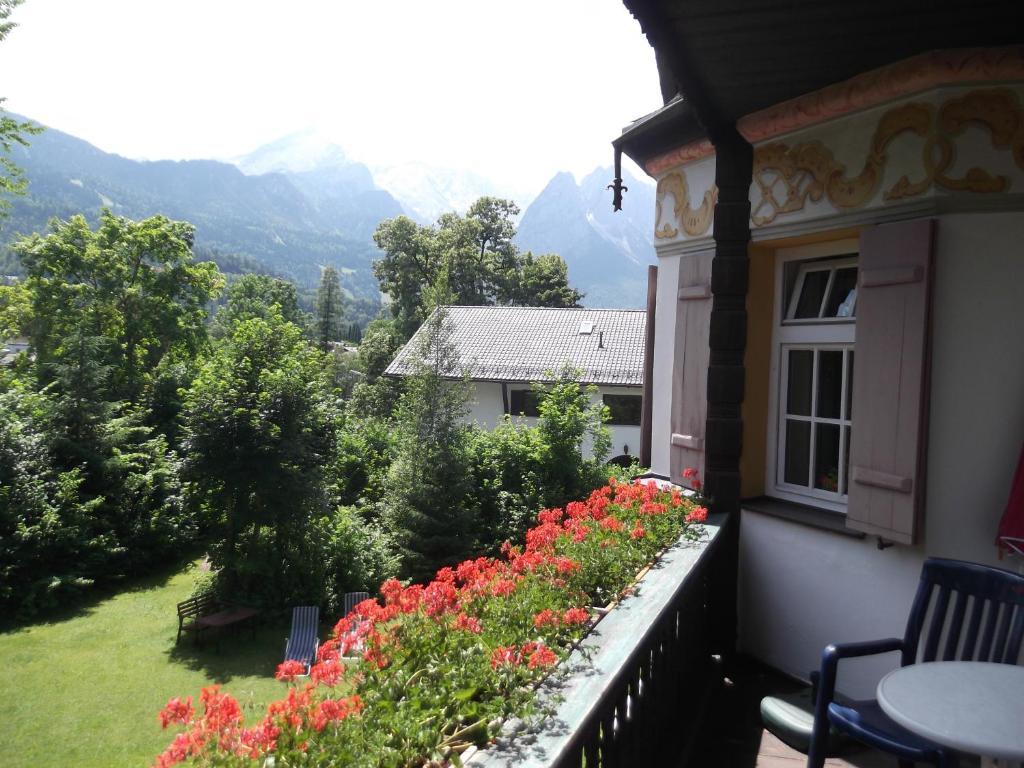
(728, 334)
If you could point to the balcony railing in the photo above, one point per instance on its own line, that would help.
(639, 683)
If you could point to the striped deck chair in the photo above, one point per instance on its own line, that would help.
(301, 645)
(352, 599)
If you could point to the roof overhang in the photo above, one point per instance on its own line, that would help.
(721, 60)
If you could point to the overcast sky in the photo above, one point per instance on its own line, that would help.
(513, 90)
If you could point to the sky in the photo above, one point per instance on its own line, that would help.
(512, 90)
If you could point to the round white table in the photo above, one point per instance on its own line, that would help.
(971, 706)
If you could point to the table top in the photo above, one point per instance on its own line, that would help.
(227, 616)
(971, 706)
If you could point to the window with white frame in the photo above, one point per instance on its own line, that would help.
(813, 358)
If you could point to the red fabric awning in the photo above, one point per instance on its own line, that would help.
(1011, 528)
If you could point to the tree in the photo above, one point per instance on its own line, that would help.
(12, 181)
(484, 266)
(133, 283)
(255, 295)
(328, 308)
(259, 430)
(426, 503)
(543, 281)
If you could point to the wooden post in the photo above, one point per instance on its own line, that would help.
(648, 390)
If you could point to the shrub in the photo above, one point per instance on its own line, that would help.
(442, 665)
(356, 556)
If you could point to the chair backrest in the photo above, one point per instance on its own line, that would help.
(302, 641)
(965, 612)
(352, 599)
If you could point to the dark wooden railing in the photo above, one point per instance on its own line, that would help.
(637, 688)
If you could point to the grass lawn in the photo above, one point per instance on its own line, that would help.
(84, 688)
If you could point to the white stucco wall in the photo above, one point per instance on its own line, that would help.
(487, 411)
(664, 358)
(801, 588)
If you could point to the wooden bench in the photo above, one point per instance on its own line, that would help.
(192, 610)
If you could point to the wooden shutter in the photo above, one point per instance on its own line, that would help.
(690, 365)
(890, 381)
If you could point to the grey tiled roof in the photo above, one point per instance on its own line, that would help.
(532, 343)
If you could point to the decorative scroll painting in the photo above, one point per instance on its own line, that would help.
(693, 221)
(786, 177)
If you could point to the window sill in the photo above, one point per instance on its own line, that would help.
(803, 514)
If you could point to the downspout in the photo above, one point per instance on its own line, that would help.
(504, 397)
(647, 408)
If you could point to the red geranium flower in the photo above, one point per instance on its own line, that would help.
(177, 711)
(290, 669)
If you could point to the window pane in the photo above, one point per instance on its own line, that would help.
(523, 402)
(842, 299)
(846, 472)
(801, 369)
(809, 303)
(798, 452)
(624, 409)
(849, 385)
(830, 383)
(826, 457)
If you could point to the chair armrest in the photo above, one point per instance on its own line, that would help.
(826, 681)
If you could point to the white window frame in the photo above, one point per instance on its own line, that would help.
(820, 333)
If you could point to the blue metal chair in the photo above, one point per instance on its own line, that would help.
(962, 612)
(302, 643)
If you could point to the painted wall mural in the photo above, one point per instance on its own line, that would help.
(693, 221)
(786, 177)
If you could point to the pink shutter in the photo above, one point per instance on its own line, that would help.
(690, 368)
(890, 380)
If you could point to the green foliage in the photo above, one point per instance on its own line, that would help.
(254, 295)
(365, 451)
(483, 264)
(132, 283)
(567, 418)
(509, 469)
(259, 431)
(427, 488)
(356, 555)
(329, 309)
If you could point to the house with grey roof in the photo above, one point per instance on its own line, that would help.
(506, 349)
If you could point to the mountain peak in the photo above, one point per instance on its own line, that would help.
(306, 150)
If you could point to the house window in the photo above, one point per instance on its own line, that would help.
(814, 358)
(523, 402)
(624, 409)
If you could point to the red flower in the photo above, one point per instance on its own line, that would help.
(505, 656)
(258, 740)
(699, 515)
(696, 484)
(503, 587)
(612, 524)
(335, 710)
(176, 711)
(327, 672)
(566, 565)
(220, 711)
(542, 657)
(468, 624)
(546, 618)
(288, 670)
(638, 531)
(440, 596)
(576, 616)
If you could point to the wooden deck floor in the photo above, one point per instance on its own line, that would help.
(735, 738)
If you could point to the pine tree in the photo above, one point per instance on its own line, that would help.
(328, 308)
(426, 502)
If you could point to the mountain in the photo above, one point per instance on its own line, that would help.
(427, 191)
(293, 222)
(607, 252)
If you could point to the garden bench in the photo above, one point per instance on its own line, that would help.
(191, 610)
